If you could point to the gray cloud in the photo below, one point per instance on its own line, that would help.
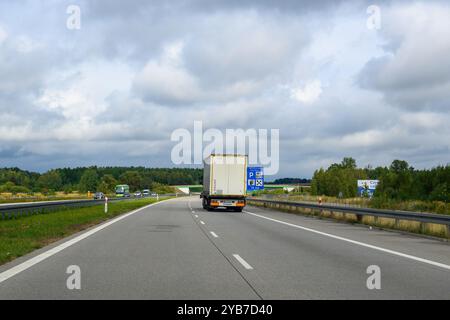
(12, 152)
(414, 72)
(193, 70)
(113, 92)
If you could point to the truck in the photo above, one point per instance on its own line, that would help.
(122, 191)
(224, 182)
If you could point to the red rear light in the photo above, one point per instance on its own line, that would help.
(240, 203)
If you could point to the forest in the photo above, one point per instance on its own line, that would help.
(83, 179)
(399, 181)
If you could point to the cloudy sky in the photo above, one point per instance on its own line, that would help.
(113, 91)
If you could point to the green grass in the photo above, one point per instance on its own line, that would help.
(21, 236)
(377, 203)
(20, 200)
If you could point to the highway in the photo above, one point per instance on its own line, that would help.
(176, 250)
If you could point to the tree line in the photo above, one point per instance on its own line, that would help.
(93, 179)
(399, 181)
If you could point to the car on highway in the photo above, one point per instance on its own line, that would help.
(99, 196)
(145, 192)
(137, 194)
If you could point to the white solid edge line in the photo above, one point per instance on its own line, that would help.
(404, 255)
(5, 275)
(243, 262)
(214, 234)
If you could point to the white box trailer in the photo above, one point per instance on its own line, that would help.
(225, 181)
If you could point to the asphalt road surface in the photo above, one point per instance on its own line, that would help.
(177, 250)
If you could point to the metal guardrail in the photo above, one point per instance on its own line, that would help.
(17, 210)
(359, 212)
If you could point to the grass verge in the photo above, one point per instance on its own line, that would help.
(19, 237)
(6, 197)
(439, 207)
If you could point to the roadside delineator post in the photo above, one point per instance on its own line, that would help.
(320, 203)
(106, 204)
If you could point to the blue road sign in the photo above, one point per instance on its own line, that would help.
(367, 187)
(255, 178)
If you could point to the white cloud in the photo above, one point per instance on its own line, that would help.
(3, 35)
(165, 80)
(309, 93)
(424, 121)
(25, 44)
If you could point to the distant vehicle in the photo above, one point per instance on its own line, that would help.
(99, 196)
(225, 182)
(145, 192)
(153, 194)
(122, 191)
(138, 194)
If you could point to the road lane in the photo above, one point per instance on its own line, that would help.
(159, 253)
(166, 252)
(290, 263)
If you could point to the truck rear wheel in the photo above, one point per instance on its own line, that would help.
(205, 204)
